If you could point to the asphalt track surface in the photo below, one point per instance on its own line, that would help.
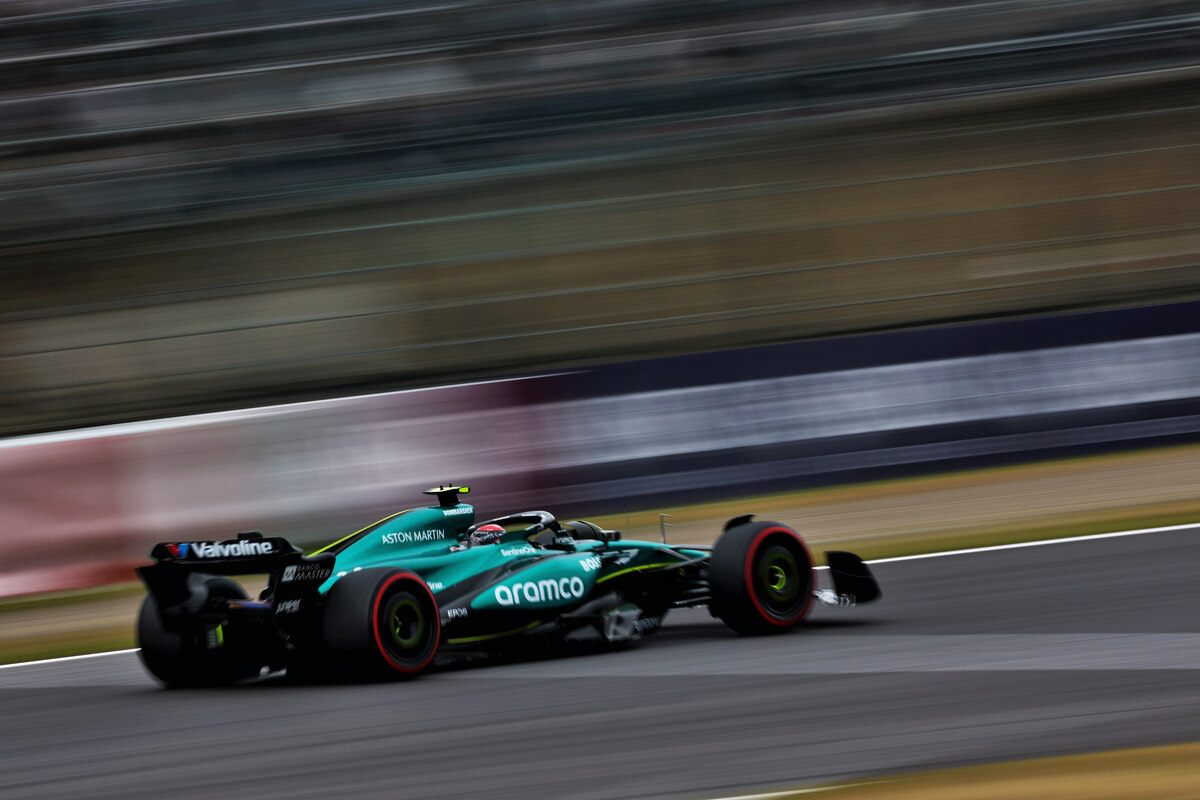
(970, 658)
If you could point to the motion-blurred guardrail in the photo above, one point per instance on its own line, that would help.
(115, 121)
(80, 507)
(206, 203)
(973, 213)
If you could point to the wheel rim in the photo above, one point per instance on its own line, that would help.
(406, 628)
(406, 623)
(781, 586)
(776, 577)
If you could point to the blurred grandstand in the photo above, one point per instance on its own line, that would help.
(210, 203)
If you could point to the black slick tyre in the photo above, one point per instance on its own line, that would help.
(761, 578)
(381, 623)
(193, 655)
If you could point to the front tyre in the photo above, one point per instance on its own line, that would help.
(761, 578)
(382, 623)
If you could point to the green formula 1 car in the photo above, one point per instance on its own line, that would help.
(386, 600)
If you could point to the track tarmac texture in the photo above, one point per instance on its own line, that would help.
(980, 657)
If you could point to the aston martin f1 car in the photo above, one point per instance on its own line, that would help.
(388, 599)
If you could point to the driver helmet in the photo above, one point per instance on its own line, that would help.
(487, 534)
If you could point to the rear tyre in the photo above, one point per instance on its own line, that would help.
(194, 655)
(381, 623)
(761, 578)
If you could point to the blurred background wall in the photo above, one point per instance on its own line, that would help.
(81, 507)
(209, 205)
(205, 204)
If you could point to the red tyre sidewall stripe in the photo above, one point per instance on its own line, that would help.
(752, 554)
(437, 627)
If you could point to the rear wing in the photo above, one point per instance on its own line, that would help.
(250, 553)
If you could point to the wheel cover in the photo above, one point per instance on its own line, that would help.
(404, 626)
(776, 578)
(406, 622)
(779, 581)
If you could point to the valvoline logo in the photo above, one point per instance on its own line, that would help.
(179, 550)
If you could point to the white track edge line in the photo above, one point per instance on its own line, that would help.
(794, 792)
(67, 658)
(969, 551)
(1040, 543)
